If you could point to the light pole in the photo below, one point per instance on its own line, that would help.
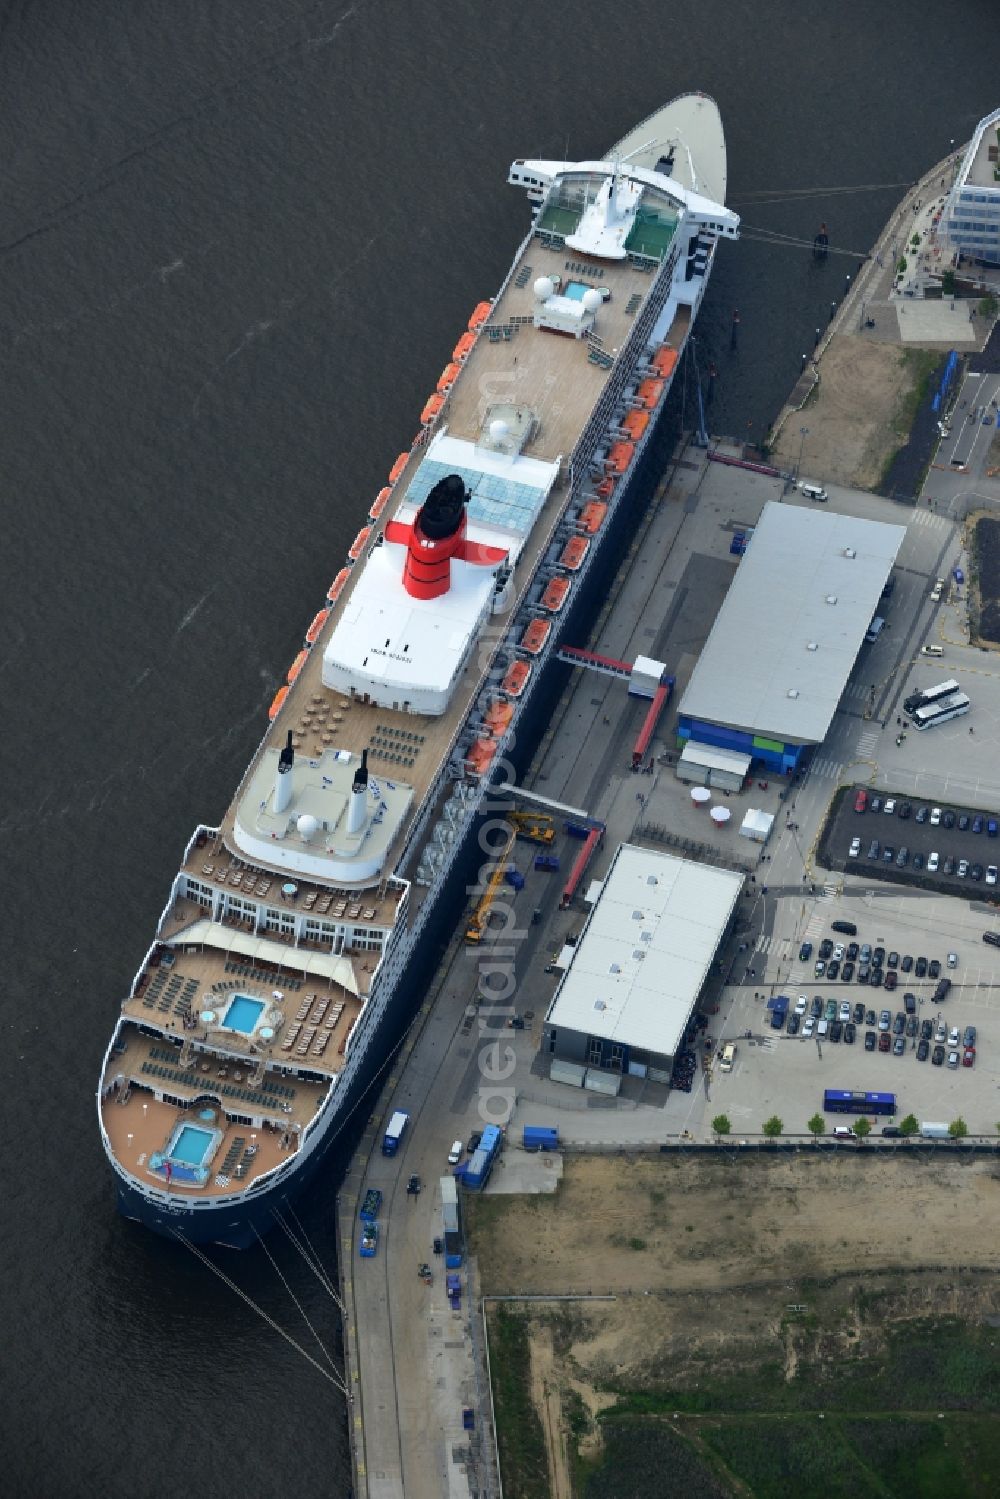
(803, 434)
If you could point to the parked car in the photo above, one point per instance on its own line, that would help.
(474, 1141)
(878, 956)
(976, 872)
(969, 1036)
(875, 978)
(922, 1051)
(941, 1033)
(926, 1030)
(873, 849)
(844, 1011)
(937, 1056)
(911, 1026)
(793, 1025)
(906, 962)
(948, 820)
(831, 1009)
(884, 1020)
(855, 848)
(933, 860)
(888, 854)
(953, 1059)
(864, 970)
(963, 868)
(953, 960)
(953, 1036)
(825, 949)
(898, 1023)
(891, 979)
(819, 968)
(934, 969)
(902, 858)
(847, 971)
(455, 1153)
(847, 927)
(865, 952)
(991, 874)
(884, 1041)
(860, 801)
(892, 961)
(889, 805)
(805, 952)
(875, 804)
(910, 1003)
(977, 824)
(816, 1008)
(871, 1041)
(836, 1030)
(935, 817)
(898, 1046)
(993, 938)
(849, 1033)
(838, 951)
(949, 865)
(859, 1013)
(922, 814)
(870, 1018)
(808, 1026)
(833, 968)
(918, 860)
(920, 971)
(852, 951)
(801, 1004)
(905, 810)
(969, 1057)
(963, 823)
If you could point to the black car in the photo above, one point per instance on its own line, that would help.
(846, 927)
(816, 1008)
(898, 1023)
(836, 1030)
(898, 1046)
(413, 1186)
(892, 1131)
(976, 871)
(864, 969)
(793, 1024)
(852, 951)
(875, 978)
(892, 961)
(906, 962)
(891, 979)
(922, 814)
(963, 823)
(910, 1003)
(849, 1033)
(875, 804)
(922, 1049)
(888, 854)
(905, 810)
(993, 938)
(926, 1030)
(911, 1025)
(948, 820)
(847, 972)
(859, 1013)
(870, 1041)
(918, 861)
(937, 1056)
(825, 948)
(878, 956)
(805, 952)
(920, 968)
(977, 824)
(833, 968)
(933, 969)
(871, 1018)
(902, 858)
(941, 992)
(873, 849)
(948, 867)
(474, 1141)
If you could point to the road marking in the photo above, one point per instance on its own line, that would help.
(763, 944)
(867, 742)
(827, 769)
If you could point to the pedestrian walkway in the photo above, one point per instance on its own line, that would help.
(930, 520)
(826, 769)
(868, 743)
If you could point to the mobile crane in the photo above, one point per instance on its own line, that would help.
(536, 827)
(479, 920)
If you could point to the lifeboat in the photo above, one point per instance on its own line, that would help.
(313, 632)
(620, 457)
(464, 347)
(650, 391)
(635, 423)
(500, 714)
(449, 375)
(358, 544)
(398, 467)
(431, 408)
(480, 314)
(535, 636)
(664, 361)
(573, 553)
(379, 503)
(516, 679)
(606, 488)
(555, 595)
(277, 703)
(297, 666)
(336, 588)
(480, 756)
(592, 516)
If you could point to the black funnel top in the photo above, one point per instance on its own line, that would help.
(361, 774)
(441, 512)
(287, 757)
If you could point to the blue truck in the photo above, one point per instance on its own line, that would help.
(395, 1131)
(476, 1172)
(778, 1006)
(547, 862)
(369, 1241)
(539, 1137)
(371, 1204)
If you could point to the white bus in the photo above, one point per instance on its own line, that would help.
(930, 695)
(938, 712)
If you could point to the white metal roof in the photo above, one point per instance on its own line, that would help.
(786, 638)
(206, 933)
(646, 950)
(711, 758)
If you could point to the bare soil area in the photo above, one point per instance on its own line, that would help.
(858, 417)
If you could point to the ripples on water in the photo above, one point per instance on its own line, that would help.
(236, 245)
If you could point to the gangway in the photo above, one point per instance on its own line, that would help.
(607, 665)
(479, 920)
(652, 718)
(521, 793)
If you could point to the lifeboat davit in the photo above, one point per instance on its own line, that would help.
(500, 714)
(592, 516)
(464, 347)
(449, 375)
(516, 679)
(278, 702)
(296, 666)
(535, 636)
(480, 314)
(336, 588)
(480, 756)
(606, 488)
(398, 467)
(379, 503)
(635, 423)
(650, 391)
(573, 553)
(555, 595)
(431, 408)
(358, 545)
(313, 632)
(620, 457)
(665, 361)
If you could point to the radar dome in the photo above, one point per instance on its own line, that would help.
(307, 826)
(544, 287)
(592, 299)
(498, 429)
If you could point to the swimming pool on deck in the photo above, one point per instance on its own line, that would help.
(575, 290)
(242, 1014)
(191, 1145)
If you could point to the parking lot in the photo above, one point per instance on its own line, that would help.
(898, 836)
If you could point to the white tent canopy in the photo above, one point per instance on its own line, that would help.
(226, 939)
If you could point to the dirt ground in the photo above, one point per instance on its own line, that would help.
(854, 416)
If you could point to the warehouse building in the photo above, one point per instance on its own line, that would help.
(638, 969)
(784, 643)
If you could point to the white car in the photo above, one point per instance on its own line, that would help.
(889, 805)
(933, 860)
(838, 952)
(455, 1153)
(808, 1026)
(822, 1026)
(845, 1011)
(953, 960)
(935, 817)
(953, 1036)
(953, 1059)
(937, 591)
(802, 1005)
(991, 874)
(855, 849)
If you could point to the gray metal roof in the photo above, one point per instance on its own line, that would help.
(787, 636)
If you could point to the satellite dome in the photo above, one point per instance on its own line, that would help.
(307, 826)
(544, 287)
(498, 429)
(592, 299)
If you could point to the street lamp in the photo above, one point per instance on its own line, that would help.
(803, 434)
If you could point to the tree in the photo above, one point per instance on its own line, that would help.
(988, 307)
(817, 1125)
(772, 1127)
(721, 1124)
(901, 267)
(862, 1128)
(909, 1125)
(948, 282)
(958, 1129)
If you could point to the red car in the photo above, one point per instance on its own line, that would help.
(969, 1057)
(884, 1041)
(861, 801)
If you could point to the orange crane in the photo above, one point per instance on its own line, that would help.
(536, 827)
(479, 920)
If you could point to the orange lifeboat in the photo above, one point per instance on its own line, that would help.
(449, 375)
(431, 408)
(480, 755)
(336, 588)
(555, 594)
(650, 391)
(535, 636)
(573, 553)
(379, 503)
(464, 347)
(313, 632)
(398, 467)
(664, 361)
(480, 314)
(592, 516)
(358, 544)
(277, 703)
(500, 714)
(635, 423)
(297, 666)
(621, 456)
(516, 679)
(606, 488)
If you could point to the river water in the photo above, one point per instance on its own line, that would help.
(237, 243)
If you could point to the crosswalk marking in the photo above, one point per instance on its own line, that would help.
(827, 769)
(856, 690)
(816, 925)
(928, 518)
(867, 742)
(829, 892)
(764, 944)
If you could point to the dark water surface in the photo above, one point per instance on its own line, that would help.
(237, 243)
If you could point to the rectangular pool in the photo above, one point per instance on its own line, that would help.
(243, 1014)
(575, 290)
(192, 1145)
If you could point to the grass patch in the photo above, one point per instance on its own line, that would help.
(523, 1459)
(921, 365)
(808, 1458)
(649, 1458)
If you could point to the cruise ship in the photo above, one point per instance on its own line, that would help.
(293, 932)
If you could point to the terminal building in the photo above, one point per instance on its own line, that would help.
(633, 984)
(970, 220)
(784, 643)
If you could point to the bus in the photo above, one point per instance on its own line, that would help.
(929, 695)
(837, 1101)
(941, 711)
